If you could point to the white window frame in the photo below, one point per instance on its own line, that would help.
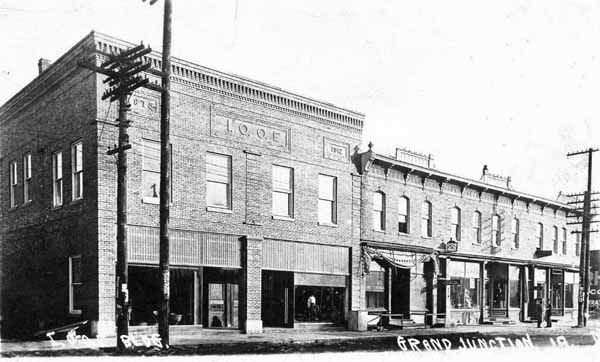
(496, 230)
(455, 230)
(228, 184)
(289, 191)
(477, 226)
(555, 239)
(27, 178)
(406, 214)
(76, 171)
(426, 220)
(515, 231)
(57, 179)
(379, 213)
(540, 235)
(564, 241)
(333, 201)
(14, 181)
(73, 285)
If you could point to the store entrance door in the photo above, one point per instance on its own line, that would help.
(277, 299)
(401, 292)
(498, 276)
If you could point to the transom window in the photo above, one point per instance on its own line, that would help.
(57, 179)
(477, 227)
(426, 219)
(77, 170)
(327, 199)
(218, 180)
(403, 215)
(379, 211)
(283, 191)
(455, 223)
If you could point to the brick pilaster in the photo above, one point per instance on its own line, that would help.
(250, 291)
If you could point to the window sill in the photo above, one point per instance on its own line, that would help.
(476, 243)
(219, 209)
(77, 201)
(283, 218)
(379, 231)
(426, 237)
(401, 233)
(56, 207)
(150, 200)
(328, 224)
(75, 313)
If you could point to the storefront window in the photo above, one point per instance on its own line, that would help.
(557, 289)
(571, 283)
(464, 295)
(375, 286)
(319, 304)
(515, 295)
(539, 282)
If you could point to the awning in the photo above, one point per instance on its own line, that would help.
(396, 258)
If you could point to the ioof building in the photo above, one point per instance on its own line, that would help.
(271, 204)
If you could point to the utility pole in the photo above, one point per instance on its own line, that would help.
(165, 167)
(584, 259)
(122, 70)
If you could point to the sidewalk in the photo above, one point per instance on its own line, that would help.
(222, 341)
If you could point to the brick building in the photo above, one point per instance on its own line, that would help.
(449, 250)
(272, 206)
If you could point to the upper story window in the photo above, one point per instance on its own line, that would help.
(13, 183)
(515, 232)
(327, 199)
(477, 227)
(57, 179)
(151, 171)
(496, 236)
(577, 243)
(27, 177)
(555, 239)
(540, 236)
(455, 223)
(75, 284)
(218, 180)
(426, 229)
(77, 170)
(564, 241)
(403, 215)
(283, 191)
(379, 211)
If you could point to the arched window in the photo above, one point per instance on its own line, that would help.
(403, 215)
(455, 223)
(379, 211)
(496, 240)
(426, 219)
(477, 227)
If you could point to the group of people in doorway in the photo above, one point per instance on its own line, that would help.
(542, 313)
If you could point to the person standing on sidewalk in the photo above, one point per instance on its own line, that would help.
(549, 315)
(539, 312)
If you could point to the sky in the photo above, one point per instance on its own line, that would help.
(510, 84)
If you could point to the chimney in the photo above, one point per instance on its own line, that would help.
(43, 64)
